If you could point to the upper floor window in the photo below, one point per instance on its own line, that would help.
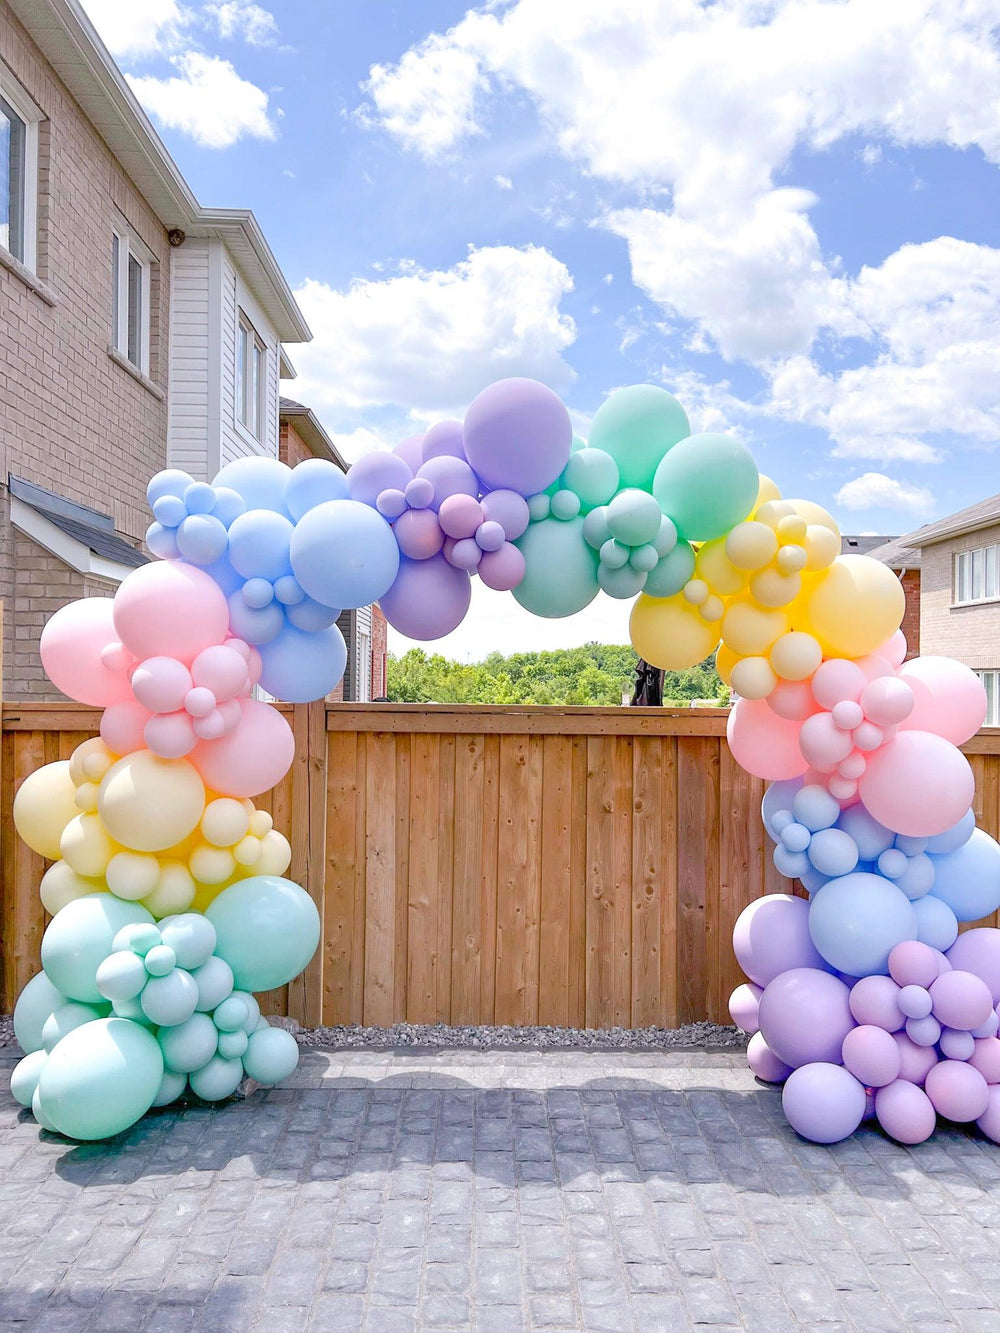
(977, 575)
(251, 377)
(131, 267)
(19, 119)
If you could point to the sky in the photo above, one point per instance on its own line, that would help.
(784, 211)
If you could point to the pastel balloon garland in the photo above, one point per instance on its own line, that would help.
(166, 890)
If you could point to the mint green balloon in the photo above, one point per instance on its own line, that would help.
(560, 570)
(634, 517)
(621, 583)
(637, 426)
(171, 1087)
(267, 928)
(217, 1080)
(25, 1075)
(565, 504)
(79, 938)
(707, 484)
(271, 1055)
(593, 475)
(189, 1045)
(35, 1004)
(595, 527)
(67, 1018)
(100, 1079)
(671, 573)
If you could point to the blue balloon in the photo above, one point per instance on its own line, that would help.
(170, 510)
(256, 626)
(968, 879)
(257, 593)
(344, 554)
(813, 880)
(258, 544)
(225, 576)
(857, 920)
(937, 924)
(261, 482)
(199, 498)
(171, 481)
(300, 666)
(229, 504)
(872, 837)
(952, 838)
(779, 796)
(312, 483)
(833, 852)
(202, 539)
(267, 928)
(790, 864)
(311, 616)
(816, 808)
(162, 541)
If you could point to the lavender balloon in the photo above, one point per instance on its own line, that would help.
(502, 570)
(805, 1015)
(979, 951)
(823, 1102)
(448, 476)
(763, 1061)
(771, 935)
(377, 472)
(410, 451)
(508, 509)
(428, 599)
(443, 438)
(518, 436)
(905, 1112)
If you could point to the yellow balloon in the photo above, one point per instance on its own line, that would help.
(90, 761)
(751, 545)
(45, 803)
(854, 607)
(212, 865)
(792, 528)
(248, 851)
(749, 629)
(816, 514)
(668, 632)
(132, 875)
(792, 559)
(276, 854)
(821, 546)
(753, 678)
(174, 892)
(86, 846)
(773, 511)
(767, 490)
(148, 804)
(713, 566)
(795, 656)
(225, 822)
(725, 660)
(86, 797)
(261, 823)
(61, 885)
(772, 588)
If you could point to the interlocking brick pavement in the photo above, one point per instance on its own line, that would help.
(495, 1193)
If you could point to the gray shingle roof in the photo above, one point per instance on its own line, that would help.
(89, 526)
(983, 514)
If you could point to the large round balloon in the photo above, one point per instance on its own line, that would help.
(343, 554)
(824, 1102)
(100, 1079)
(300, 667)
(36, 1003)
(268, 929)
(805, 1015)
(917, 784)
(669, 633)
(949, 698)
(763, 743)
(428, 598)
(857, 920)
(637, 426)
(78, 939)
(968, 880)
(149, 804)
(560, 575)
(171, 610)
(71, 647)
(261, 482)
(853, 607)
(771, 935)
(255, 755)
(707, 484)
(517, 436)
(44, 804)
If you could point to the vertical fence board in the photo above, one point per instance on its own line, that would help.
(518, 881)
(380, 1002)
(467, 937)
(424, 894)
(609, 874)
(556, 888)
(345, 806)
(650, 884)
(488, 878)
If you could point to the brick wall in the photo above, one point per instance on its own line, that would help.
(71, 418)
(379, 629)
(292, 449)
(911, 616)
(970, 633)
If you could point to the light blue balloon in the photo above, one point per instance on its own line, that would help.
(256, 592)
(202, 539)
(813, 880)
(287, 590)
(79, 938)
(100, 1079)
(968, 879)
(672, 571)
(796, 837)
(255, 626)
(199, 498)
(344, 554)
(312, 483)
(310, 616)
(833, 852)
(170, 510)
(299, 667)
(911, 846)
(871, 837)
(261, 482)
(171, 481)
(937, 924)
(229, 505)
(815, 807)
(36, 1002)
(268, 930)
(560, 569)
(917, 878)
(857, 920)
(779, 796)
(793, 865)
(189, 1045)
(271, 1055)
(162, 542)
(258, 544)
(953, 838)
(25, 1075)
(217, 1080)
(225, 576)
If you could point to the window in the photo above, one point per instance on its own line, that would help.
(19, 119)
(991, 682)
(251, 378)
(131, 266)
(977, 575)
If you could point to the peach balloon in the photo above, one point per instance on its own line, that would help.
(763, 743)
(167, 609)
(251, 758)
(71, 650)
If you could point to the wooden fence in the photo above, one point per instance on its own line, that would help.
(490, 864)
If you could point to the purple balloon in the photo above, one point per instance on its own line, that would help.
(410, 451)
(419, 492)
(490, 536)
(449, 476)
(463, 553)
(915, 1062)
(764, 1063)
(460, 516)
(443, 438)
(428, 599)
(508, 509)
(518, 436)
(502, 570)
(957, 1091)
(743, 1006)
(772, 935)
(957, 1045)
(377, 472)
(872, 1056)
(805, 1015)
(989, 1121)
(905, 1112)
(986, 1058)
(418, 534)
(924, 1031)
(391, 503)
(912, 963)
(823, 1102)
(978, 951)
(961, 1000)
(875, 1000)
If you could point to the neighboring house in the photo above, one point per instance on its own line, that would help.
(959, 562)
(906, 565)
(301, 436)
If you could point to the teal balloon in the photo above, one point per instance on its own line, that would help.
(268, 929)
(707, 484)
(671, 573)
(171, 999)
(36, 1002)
(67, 1018)
(190, 934)
(25, 1075)
(79, 938)
(217, 1080)
(160, 960)
(614, 555)
(645, 558)
(565, 504)
(233, 1044)
(637, 426)
(132, 1010)
(232, 1015)
(138, 937)
(271, 1055)
(100, 1079)
(189, 1045)
(595, 528)
(38, 1112)
(560, 569)
(253, 1010)
(171, 1087)
(622, 582)
(666, 536)
(214, 980)
(121, 976)
(540, 504)
(634, 517)
(593, 475)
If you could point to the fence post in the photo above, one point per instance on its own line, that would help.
(308, 838)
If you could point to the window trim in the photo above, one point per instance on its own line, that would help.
(963, 575)
(130, 246)
(992, 694)
(23, 105)
(256, 346)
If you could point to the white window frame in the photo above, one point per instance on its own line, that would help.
(991, 683)
(26, 110)
(976, 575)
(126, 246)
(251, 353)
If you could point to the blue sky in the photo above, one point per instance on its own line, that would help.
(785, 212)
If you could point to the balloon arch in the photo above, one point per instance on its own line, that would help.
(169, 907)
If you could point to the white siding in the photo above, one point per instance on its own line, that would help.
(235, 441)
(189, 388)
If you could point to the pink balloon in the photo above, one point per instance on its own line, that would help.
(71, 648)
(894, 649)
(905, 1112)
(123, 726)
(765, 745)
(792, 700)
(161, 683)
(210, 726)
(961, 1000)
(822, 743)
(873, 1001)
(199, 702)
(252, 758)
(764, 1063)
(950, 699)
(875, 666)
(460, 515)
(837, 679)
(957, 1091)
(170, 609)
(502, 570)
(916, 1062)
(170, 735)
(918, 784)
(221, 669)
(986, 1058)
(989, 1121)
(887, 700)
(913, 963)
(872, 1056)
(418, 534)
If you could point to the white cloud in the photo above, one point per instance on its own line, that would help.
(874, 490)
(352, 444)
(131, 29)
(207, 100)
(429, 340)
(428, 99)
(244, 19)
(503, 182)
